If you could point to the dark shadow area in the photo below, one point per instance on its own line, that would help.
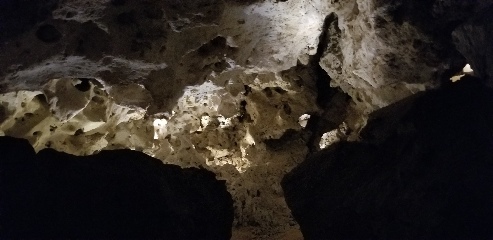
(118, 194)
(474, 39)
(424, 170)
(438, 19)
(18, 16)
(325, 92)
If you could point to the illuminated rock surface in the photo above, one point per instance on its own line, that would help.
(222, 84)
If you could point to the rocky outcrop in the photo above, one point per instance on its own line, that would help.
(422, 171)
(112, 194)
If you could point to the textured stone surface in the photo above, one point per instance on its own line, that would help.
(113, 194)
(220, 84)
(474, 40)
(422, 171)
(194, 83)
(383, 51)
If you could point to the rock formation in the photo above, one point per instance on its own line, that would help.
(245, 89)
(422, 171)
(112, 194)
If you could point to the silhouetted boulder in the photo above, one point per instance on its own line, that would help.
(424, 170)
(113, 194)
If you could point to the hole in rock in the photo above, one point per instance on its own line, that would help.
(83, 84)
(70, 14)
(48, 34)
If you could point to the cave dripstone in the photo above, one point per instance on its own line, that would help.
(244, 89)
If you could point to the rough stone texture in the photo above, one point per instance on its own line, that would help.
(195, 83)
(219, 84)
(372, 58)
(113, 194)
(422, 171)
(383, 51)
(474, 40)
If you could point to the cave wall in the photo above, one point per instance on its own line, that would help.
(473, 40)
(222, 84)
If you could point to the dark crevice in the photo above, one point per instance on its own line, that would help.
(313, 127)
(48, 33)
(18, 16)
(3, 113)
(325, 92)
(278, 144)
(324, 36)
(244, 116)
(316, 123)
(84, 85)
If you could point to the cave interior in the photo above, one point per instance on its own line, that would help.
(246, 119)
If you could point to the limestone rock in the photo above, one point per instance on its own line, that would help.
(382, 51)
(194, 83)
